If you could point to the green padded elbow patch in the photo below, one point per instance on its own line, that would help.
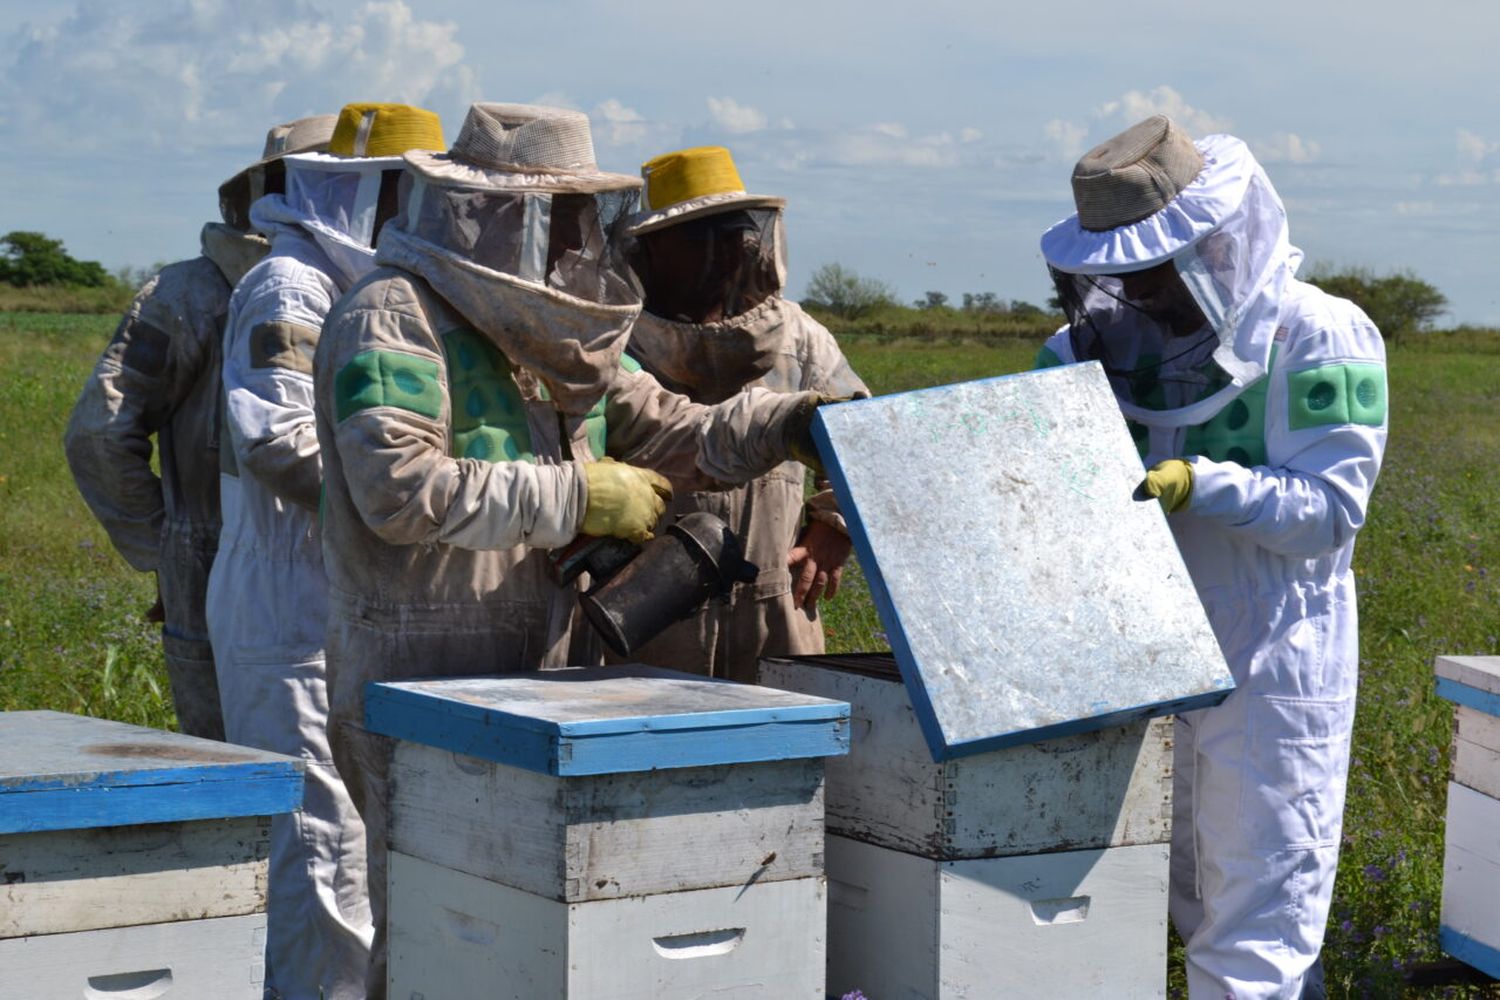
(383, 378)
(1336, 394)
(1046, 358)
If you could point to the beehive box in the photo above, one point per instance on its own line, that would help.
(133, 861)
(606, 833)
(1470, 927)
(1040, 867)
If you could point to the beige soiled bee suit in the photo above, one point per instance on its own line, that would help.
(777, 346)
(448, 475)
(160, 376)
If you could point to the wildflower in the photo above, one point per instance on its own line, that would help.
(1374, 873)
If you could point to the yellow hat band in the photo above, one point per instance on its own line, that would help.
(674, 178)
(385, 130)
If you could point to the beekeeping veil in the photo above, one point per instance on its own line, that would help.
(711, 260)
(517, 228)
(342, 198)
(1206, 216)
(265, 176)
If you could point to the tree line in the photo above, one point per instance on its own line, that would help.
(1400, 304)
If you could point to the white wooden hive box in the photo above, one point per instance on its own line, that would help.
(132, 859)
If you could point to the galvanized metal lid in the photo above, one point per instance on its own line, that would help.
(607, 720)
(66, 772)
(1024, 593)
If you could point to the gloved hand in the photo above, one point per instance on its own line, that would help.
(799, 440)
(1171, 482)
(625, 501)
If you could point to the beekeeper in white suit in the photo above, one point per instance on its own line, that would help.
(1259, 405)
(267, 594)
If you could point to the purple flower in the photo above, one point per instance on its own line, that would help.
(1375, 873)
(854, 995)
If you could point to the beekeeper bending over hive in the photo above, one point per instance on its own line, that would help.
(474, 410)
(1259, 404)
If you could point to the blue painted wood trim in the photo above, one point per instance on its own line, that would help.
(86, 807)
(1484, 701)
(885, 608)
(1484, 957)
(612, 753)
(725, 719)
(104, 780)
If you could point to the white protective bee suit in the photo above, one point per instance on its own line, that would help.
(268, 596)
(1279, 404)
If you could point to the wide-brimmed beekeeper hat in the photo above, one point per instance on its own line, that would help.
(692, 183)
(376, 130)
(305, 135)
(520, 148)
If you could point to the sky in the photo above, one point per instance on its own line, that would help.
(927, 145)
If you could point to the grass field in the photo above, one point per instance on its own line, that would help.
(72, 635)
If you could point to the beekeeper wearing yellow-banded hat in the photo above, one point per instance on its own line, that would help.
(711, 259)
(268, 596)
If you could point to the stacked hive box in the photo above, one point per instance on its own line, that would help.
(1036, 870)
(1470, 928)
(606, 833)
(133, 861)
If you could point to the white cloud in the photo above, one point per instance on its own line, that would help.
(734, 117)
(1416, 208)
(1134, 105)
(616, 125)
(1066, 138)
(1478, 161)
(194, 74)
(1287, 147)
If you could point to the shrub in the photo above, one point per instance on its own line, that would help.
(845, 294)
(1399, 304)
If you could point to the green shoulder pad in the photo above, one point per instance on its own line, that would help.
(1336, 394)
(385, 378)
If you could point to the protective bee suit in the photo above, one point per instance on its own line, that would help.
(466, 392)
(160, 376)
(268, 596)
(757, 338)
(1177, 275)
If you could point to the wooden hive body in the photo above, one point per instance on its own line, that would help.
(1034, 870)
(133, 861)
(656, 836)
(1470, 923)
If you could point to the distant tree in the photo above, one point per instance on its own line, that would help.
(984, 303)
(136, 277)
(932, 300)
(846, 294)
(1399, 304)
(1025, 310)
(33, 259)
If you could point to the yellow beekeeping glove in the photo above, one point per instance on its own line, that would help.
(1171, 482)
(625, 501)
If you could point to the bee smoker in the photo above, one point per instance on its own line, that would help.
(639, 590)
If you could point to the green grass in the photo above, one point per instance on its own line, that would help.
(72, 635)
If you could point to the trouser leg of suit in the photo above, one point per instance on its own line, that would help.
(318, 920)
(195, 685)
(1251, 880)
(354, 660)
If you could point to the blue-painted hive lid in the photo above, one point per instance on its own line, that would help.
(606, 720)
(1025, 594)
(1473, 681)
(66, 772)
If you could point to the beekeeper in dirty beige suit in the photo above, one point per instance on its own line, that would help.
(160, 376)
(267, 595)
(474, 410)
(711, 260)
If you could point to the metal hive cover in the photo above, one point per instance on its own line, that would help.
(1025, 594)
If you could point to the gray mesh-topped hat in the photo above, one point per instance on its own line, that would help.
(1133, 175)
(305, 135)
(521, 147)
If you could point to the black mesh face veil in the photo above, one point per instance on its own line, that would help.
(710, 268)
(1146, 331)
